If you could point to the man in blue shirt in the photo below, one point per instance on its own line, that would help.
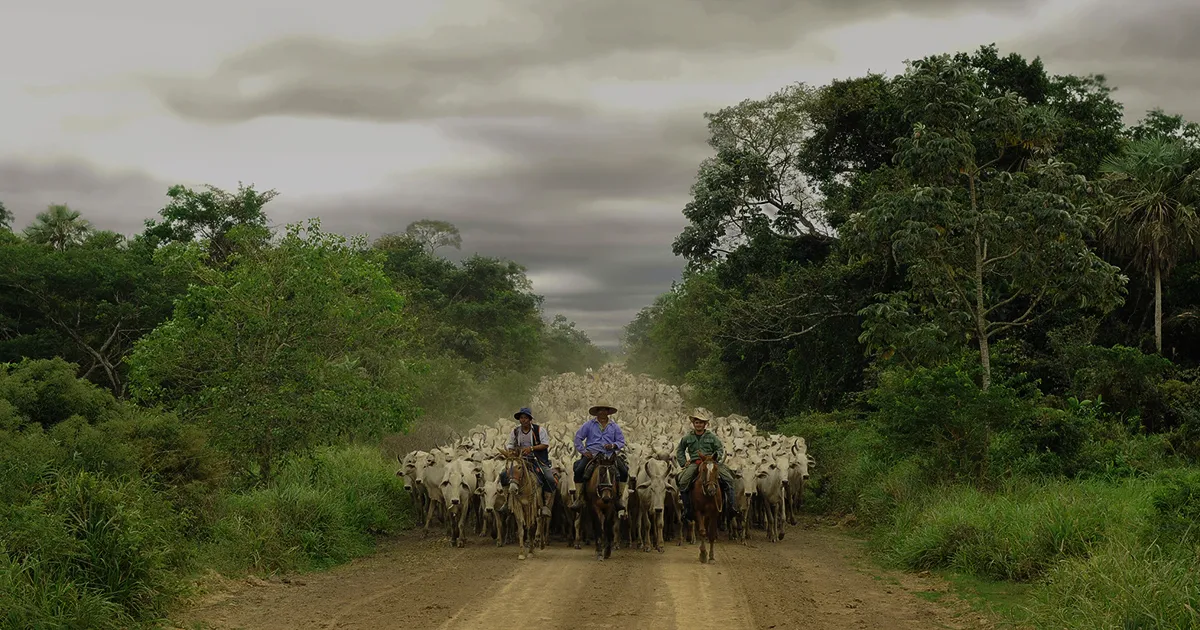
(598, 435)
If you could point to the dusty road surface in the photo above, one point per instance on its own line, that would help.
(816, 578)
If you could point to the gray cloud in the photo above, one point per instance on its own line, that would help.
(479, 72)
(1148, 50)
(111, 201)
(596, 205)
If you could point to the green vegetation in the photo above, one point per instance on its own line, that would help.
(973, 290)
(209, 395)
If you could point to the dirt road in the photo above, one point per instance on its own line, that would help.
(816, 578)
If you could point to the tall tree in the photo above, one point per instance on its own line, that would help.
(304, 346)
(984, 250)
(433, 234)
(59, 227)
(754, 184)
(1153, 219)
(6, 217)
(218, 218)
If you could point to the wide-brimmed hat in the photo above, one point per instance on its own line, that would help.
(524, 411)
(595, 408)
(702, 414)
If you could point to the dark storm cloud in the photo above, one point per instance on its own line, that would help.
(468, 73)
(111, 201)
(1150, 51)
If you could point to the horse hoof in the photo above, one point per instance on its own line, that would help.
(661, 550)
(521, 556)
(577, 546)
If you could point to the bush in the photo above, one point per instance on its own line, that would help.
(1126, 584)
(90, 552)
(1176, 516)
(321, 512)
(1018, 534)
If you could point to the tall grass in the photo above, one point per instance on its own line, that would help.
(320, 512)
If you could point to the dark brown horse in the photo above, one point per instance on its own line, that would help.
(707, 503)
(601, 495)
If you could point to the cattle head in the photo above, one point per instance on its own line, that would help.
(457, 485)
(652, 483)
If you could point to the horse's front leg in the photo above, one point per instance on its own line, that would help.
(519, 513)
(599, 532)
(702, 534)
(712, 538)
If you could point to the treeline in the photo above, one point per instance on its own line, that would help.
(211, 393)
(975, 291)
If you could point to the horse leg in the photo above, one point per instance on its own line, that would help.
(599, 531)
(520, 516)
(712, 540)
(611, 533)
(578, 522)
(702, 522)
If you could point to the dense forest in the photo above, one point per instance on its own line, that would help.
(975, 291)
(210, 394)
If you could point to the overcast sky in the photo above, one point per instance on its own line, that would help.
(561, 133)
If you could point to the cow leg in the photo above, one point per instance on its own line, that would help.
(658, 530)
(428, 519)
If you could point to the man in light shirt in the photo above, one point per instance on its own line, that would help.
(533, 442)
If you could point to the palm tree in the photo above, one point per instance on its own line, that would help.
(1153, 222)
(59, 226)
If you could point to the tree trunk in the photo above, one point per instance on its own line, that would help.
(1158, 309)
(985, 358)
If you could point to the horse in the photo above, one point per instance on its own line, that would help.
(601, 494)
(707, 504)
(524, 501)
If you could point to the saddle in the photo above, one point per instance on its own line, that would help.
(590, 467)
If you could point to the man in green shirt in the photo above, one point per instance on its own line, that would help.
(691, 447)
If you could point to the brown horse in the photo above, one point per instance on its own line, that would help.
(601, 495)
(707, 504)
(525, 501)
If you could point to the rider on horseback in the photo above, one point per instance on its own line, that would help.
(701, 442)
(601, 435)
(534, 443)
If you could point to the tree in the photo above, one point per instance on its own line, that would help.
(217, 218)
(87, 303)
(433, 234)
(6, 217)
(59, 227)
(754, 183)
(1153, 219)
(300, 345)
(984, 250)
(569, 349)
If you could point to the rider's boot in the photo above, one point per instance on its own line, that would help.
(577, 504)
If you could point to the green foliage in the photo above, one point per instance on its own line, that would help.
(58, 226)
(47, 392)
(321, 511)
(302, 345)
(6, 218)
(568, 349)
(1015, 535)
(86, 303)
(221, 221)
(977, 240)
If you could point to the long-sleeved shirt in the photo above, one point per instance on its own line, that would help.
(597, 439)
(692, 446)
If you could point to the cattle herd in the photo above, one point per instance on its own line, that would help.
(458, 483)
